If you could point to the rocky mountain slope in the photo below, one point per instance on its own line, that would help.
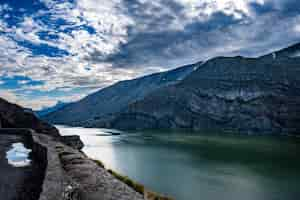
(14, 116)
(248, 95)
(116, 97)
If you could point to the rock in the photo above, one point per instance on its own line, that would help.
(71, 175)
(14, 116)
(73, 141)
(66, 172)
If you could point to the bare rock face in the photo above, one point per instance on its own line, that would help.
(242, 95)
(14, 116)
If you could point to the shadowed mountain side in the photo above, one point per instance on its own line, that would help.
(249, 95)
(116, 97)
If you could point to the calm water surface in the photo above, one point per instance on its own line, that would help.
(190, 166)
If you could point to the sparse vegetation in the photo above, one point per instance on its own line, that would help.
(125, 179)
(99, 163)
(148, 195)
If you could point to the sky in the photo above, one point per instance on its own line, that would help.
(62, 50)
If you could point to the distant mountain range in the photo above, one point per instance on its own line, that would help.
(236, 94)
(115, 98)
(48, 110)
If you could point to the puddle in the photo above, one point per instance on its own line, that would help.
(18, 155)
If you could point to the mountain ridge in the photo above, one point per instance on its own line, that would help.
(113, 98)
(238, 94)
(48, 110)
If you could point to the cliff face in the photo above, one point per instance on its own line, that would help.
(14, 116)
(249, 95)
(114, 98)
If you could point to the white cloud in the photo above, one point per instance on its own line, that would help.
(109, 21)
(203, 9)
(106, 18)
(110, 24)
(4, 7)
(297, 28)
(9, 96)
(23, 82)
(71, 70)
(36, 103)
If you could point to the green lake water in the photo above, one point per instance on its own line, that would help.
(190, 166)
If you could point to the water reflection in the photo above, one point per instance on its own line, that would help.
(18, 155)
(192, 167)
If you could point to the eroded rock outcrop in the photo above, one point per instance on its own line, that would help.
(14, 116)
(71, 175)
(65, 172)
(72, 141)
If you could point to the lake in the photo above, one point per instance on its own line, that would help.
(198, 166)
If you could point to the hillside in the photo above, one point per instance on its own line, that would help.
(249, 95)
(116, 97)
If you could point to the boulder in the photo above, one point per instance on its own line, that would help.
(72, 141)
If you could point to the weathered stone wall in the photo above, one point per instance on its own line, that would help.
(55, 182)
(70, 174)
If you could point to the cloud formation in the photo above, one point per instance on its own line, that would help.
(64, 49)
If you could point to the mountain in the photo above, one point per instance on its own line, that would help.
(116, 97)
(48, 110)
(242, 95)
(291, 51)
(14, 116)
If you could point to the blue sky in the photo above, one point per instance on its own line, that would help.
(63, 50)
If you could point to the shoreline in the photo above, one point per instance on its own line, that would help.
(148, 194)
(113, 131)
